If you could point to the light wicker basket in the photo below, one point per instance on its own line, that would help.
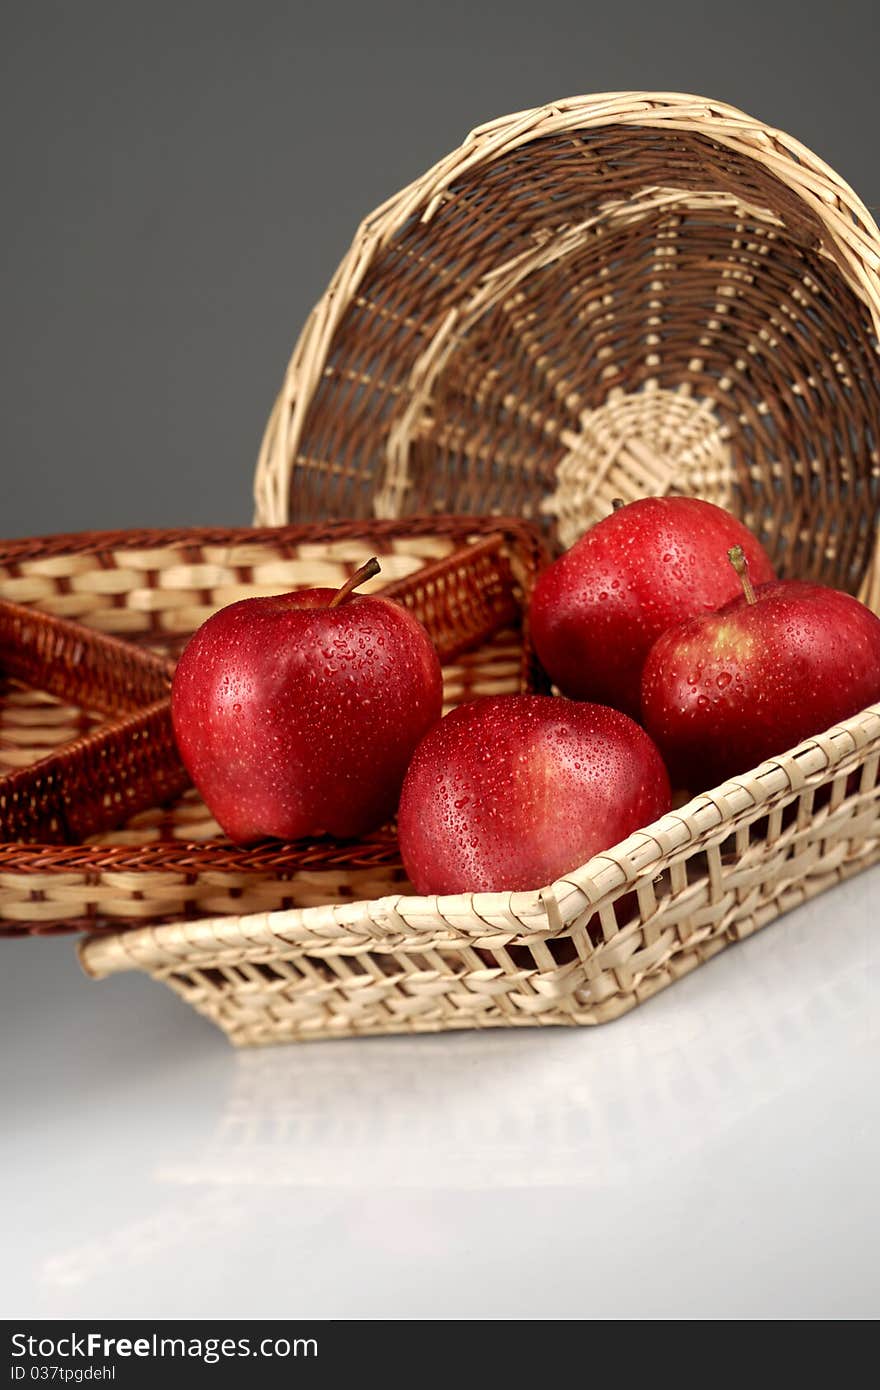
(609, 296)
(612, 296)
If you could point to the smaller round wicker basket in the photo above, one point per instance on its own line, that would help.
(612, 295)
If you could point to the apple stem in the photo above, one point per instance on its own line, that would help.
(367, 571)
(617, 503)
(736, 556)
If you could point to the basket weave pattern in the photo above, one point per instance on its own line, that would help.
(577, 952)
(463, 578)
(93, 776)
(604, 297)
(637, 293)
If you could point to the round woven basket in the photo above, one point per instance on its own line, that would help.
(609, 296)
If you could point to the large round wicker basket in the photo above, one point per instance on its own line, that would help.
(612, 295)
(607, 297)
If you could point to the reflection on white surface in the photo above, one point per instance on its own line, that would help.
(471, 1110)
(725, 1135)
(153, 1240)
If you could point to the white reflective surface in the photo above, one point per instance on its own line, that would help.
(713, 1154)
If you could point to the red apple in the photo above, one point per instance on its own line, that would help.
(513, 791)
(298, 715)
(597, 611)
(722, 692)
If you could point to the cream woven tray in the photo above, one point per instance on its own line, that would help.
(582, 950)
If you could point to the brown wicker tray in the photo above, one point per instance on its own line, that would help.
(111, 771)
(84, 844)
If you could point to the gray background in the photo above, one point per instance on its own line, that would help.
(179, 182)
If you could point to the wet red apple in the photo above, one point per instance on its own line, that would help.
(297, 715)
(723, 692)
(597, 610)
(513, 791)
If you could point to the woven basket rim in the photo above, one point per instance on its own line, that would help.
(549, 909)
(43, 547)
(850, 228)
